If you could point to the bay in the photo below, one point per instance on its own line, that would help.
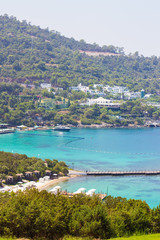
(98, 149)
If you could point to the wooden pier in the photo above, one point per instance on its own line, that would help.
(123, 173)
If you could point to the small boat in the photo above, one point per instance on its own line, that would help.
(7, 130)
(62, 128)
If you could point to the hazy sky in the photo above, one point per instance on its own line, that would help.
(132, 24)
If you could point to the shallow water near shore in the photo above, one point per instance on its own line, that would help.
(130, 187)
(98, 149)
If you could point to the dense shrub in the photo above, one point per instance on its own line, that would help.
(42, 215)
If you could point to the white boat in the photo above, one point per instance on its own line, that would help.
(62, 128)
(7, 130)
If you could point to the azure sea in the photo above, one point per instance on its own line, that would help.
(98, 149)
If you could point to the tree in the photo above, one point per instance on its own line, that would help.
(17, 66)
(89, 113)
(41, 66)
(91, 222)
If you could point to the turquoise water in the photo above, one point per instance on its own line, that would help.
(98, 149)
(138, 187)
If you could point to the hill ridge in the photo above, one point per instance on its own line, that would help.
(29, 53)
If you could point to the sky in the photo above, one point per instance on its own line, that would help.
(132, 24)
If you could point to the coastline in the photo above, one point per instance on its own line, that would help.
(40, 186)
(53, 182)
(94, 126)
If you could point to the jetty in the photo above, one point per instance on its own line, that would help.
(122, 173)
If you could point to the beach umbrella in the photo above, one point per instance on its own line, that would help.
(57, 187)
(55, 190)
(91, 192)
(80, 190)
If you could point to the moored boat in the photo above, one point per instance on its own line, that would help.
(7, 130)
(62, 128)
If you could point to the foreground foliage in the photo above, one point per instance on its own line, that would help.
(1, 238)
(141, 237)
(38, 215)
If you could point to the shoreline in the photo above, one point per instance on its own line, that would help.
(94, 126)
(40, 186)
(53, 182)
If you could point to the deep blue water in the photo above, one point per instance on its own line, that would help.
(98, 149)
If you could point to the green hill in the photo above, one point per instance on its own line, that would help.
(29, 53)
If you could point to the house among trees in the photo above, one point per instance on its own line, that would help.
(50, 103)
(47, 103)
(48, 172)
(28, 175)
(37, 173)
(19, 176)
(0, 182)
(46, 86)
(31, 168)
(9, 179)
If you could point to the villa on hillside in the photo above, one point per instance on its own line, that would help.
(80, 87)
(132, 95)
(46, 86)
(99, 101)
(47, 103)
(50, 103)
(120, 92)
(86, 89)
(102, 102)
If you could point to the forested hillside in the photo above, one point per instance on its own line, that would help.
(12, 164)
(29, 53)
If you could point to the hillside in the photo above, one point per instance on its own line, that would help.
(29, 53)
(13, 164)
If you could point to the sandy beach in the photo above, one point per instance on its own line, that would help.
(53, 182)
(42, 185)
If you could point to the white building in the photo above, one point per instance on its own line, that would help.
(103, 102)
(132, 95)
(98, 85)
(86, 89)
(99, 101)
(46, 86)
(147, 96)
(74, 88)
(116, 89)
(80, 87)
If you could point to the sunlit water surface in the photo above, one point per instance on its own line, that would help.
(98, 149)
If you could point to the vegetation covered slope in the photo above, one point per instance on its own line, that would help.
(12, 164)
(42, 215)
(30, 53)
